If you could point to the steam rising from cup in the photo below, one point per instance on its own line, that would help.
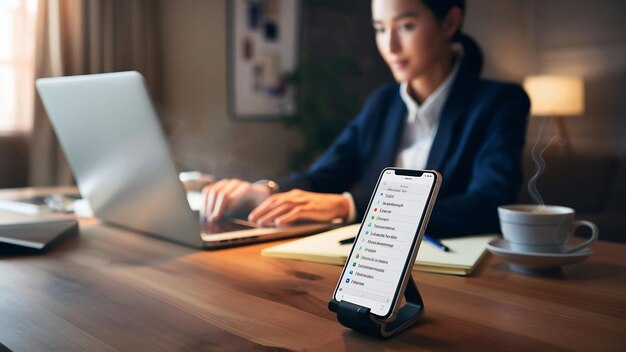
(540, 166)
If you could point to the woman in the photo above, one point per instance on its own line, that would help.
(440, 116)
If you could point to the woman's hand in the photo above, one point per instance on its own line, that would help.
(297, 205)
(229, 194)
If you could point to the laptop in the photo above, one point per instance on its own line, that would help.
(120, 157)
(40, 233)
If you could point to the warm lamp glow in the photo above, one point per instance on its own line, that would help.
(552, 95)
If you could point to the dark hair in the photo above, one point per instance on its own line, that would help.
(473, 54)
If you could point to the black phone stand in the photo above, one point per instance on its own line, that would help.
(359, 318)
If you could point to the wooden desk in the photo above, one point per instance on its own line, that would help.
(111, 289)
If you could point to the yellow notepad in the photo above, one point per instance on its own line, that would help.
(464, 255)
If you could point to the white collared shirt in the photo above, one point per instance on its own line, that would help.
(420, 128)
(421, 123)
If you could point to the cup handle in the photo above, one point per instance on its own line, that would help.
(594, 234)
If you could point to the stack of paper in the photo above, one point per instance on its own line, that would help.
(462, 259)
(29, 206)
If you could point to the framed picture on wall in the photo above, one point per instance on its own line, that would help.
(262, 52)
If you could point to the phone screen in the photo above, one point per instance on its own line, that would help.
(388, 233)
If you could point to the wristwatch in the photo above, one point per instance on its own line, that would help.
(271, 185)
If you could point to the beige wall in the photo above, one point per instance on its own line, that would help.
(194, 99)
(586, 38)
(501, 29)
(576, 37)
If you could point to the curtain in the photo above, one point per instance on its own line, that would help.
(76, 37)
(17, 30)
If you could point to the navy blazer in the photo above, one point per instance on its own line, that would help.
(477, 149)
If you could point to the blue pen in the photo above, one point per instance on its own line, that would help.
(433, 241)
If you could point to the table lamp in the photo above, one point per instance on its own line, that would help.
(556, 96)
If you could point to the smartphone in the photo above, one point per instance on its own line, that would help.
(382, 256)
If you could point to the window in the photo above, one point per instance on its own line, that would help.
(17, 66)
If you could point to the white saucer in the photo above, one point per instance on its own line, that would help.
(532, 260)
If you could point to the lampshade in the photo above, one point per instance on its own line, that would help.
(553, 95)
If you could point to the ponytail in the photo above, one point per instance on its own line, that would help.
(473, 55)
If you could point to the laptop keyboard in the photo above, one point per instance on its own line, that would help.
(224, 226)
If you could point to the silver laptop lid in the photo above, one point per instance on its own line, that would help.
(109, 131)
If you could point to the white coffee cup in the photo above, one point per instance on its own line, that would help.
(542, 228)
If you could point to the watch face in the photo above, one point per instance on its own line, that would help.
(271, 185)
